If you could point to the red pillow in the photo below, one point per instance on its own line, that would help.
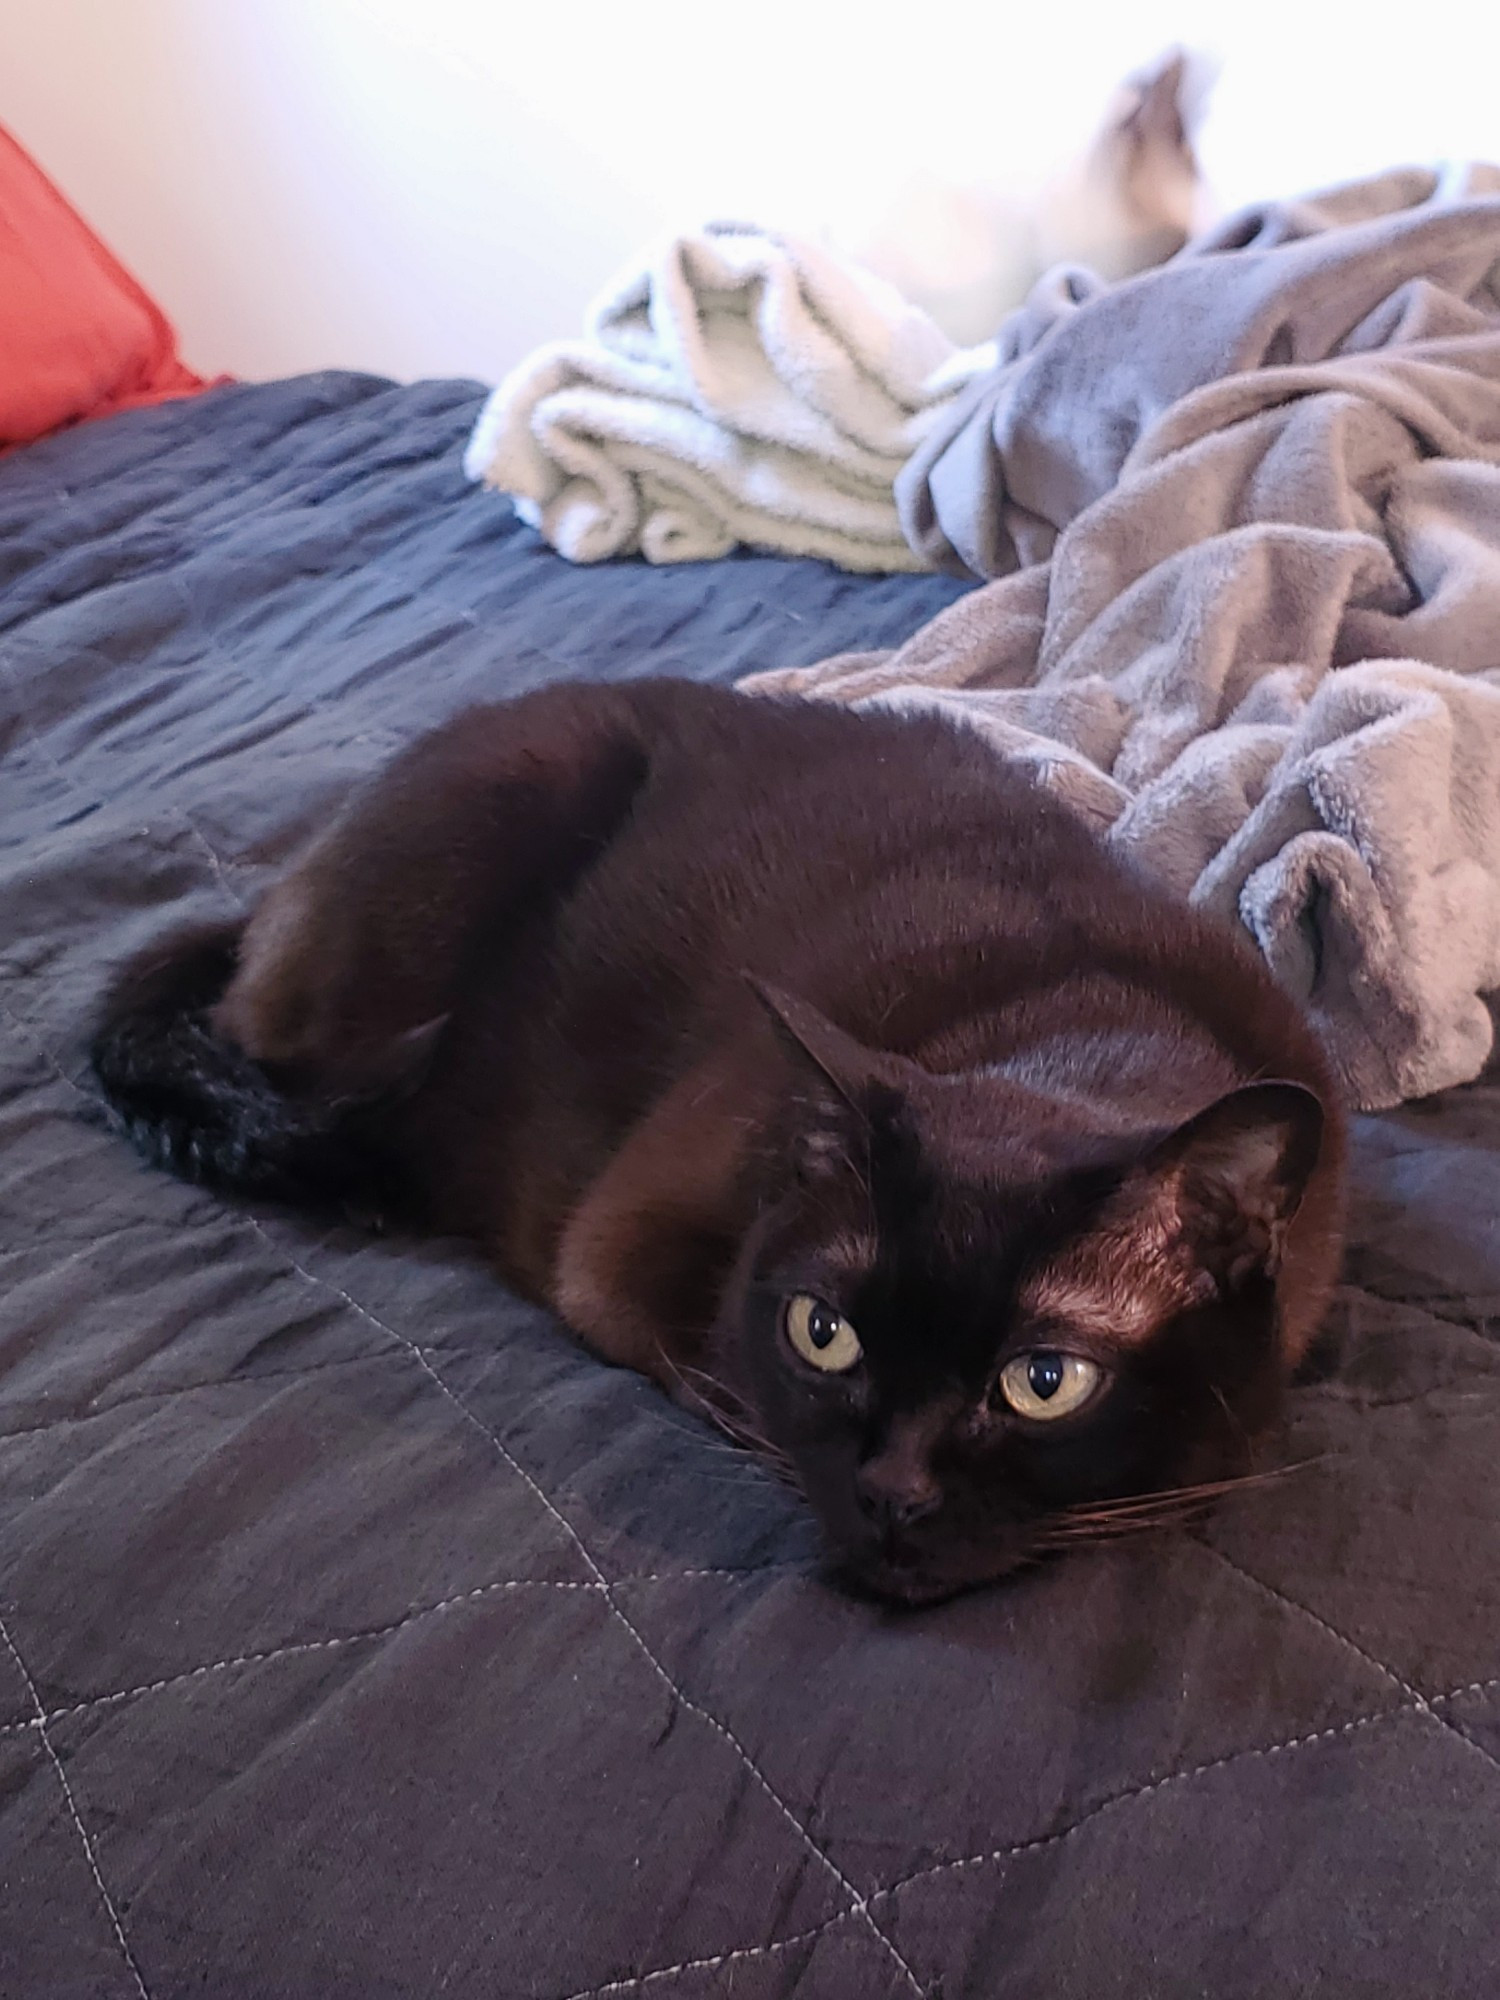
(78, 336)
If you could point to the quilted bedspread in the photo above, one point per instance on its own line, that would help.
(361, 1636)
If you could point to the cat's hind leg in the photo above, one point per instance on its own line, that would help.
(358, 949)
(232, 1059)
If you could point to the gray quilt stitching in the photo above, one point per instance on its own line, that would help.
(31, 736)
(294, 1647)
(73, 1813)
(858, 1904)
(134, 1396)
(1418, 1700)
(216, 861)
(1469, 1687)
(35, 741)
(1337, 1392)
(634, 1981)
(1448, 1313)
(24, 1031)
(1128, 1797)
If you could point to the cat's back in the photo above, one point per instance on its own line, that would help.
(763, 817)
(890, 867)
(865, 859)
(825, 849)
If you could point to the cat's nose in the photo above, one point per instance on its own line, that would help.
(894, 1492)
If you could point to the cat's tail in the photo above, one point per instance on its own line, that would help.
(200, 1107)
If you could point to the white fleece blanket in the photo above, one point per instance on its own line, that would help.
(740, 387)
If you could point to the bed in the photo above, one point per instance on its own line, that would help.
(361, 1636)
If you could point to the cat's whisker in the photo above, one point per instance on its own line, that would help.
(708, 1406)
(749, 1457)
(1211, 1488)
(738, 1430)
(1083, 1527)
(1112, 1529)
(1135, 1513)
(736, 1427)
(744, 1434)
(1142, 1510)
(1235, 1422)
(724, 1447)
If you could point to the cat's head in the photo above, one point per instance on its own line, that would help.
(971, 1328)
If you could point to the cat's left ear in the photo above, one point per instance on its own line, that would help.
(1233, 1177)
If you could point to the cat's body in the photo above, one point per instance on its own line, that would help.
(694, 1009)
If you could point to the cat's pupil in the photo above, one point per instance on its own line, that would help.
(1044, 1373)
(822, 1325)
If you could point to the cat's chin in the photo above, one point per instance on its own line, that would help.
(910, 1587)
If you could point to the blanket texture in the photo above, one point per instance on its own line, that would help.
(742, 387)
(363, 1638)
(1244, 513)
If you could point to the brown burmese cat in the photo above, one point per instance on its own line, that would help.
(812, 1063)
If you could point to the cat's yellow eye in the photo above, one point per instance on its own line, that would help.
(821, 1336)
(1046, 1383)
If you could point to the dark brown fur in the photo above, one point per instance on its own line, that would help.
(680, 1002)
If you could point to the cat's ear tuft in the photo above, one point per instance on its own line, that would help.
(1235, 1175)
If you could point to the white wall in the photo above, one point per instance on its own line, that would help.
(432, 186)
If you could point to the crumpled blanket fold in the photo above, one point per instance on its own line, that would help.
(1243, 513)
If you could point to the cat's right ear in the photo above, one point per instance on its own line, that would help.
(813, 1038)
(828, 1124)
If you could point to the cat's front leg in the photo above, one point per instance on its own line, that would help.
(644, 1255)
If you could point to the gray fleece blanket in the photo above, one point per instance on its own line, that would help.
(1243, 517)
